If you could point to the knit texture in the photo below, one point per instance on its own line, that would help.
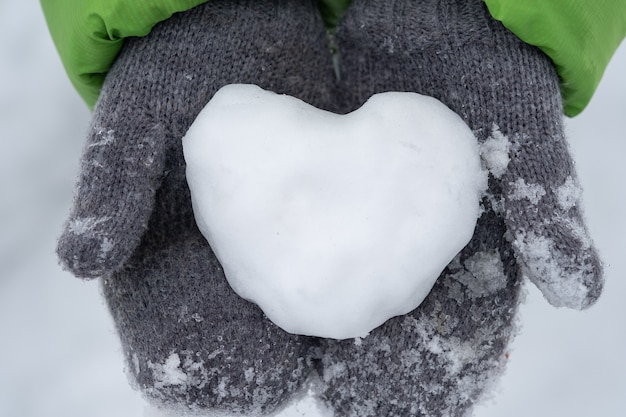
(190, 341)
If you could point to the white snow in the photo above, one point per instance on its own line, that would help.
(569, 194)
(108, 137)
(483, 273)
(60, 358)
(521, 190)
(86, 225)
(495, 152)
(331, 223)
(542, 261)
(168, 373)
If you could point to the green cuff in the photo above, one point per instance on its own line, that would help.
(579, 36)
(88, 34)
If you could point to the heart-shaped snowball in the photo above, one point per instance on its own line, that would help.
(331, 223)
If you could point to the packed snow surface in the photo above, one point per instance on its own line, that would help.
(332, 223)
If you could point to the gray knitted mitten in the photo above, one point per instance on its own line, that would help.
(187, 337)
(437, 360)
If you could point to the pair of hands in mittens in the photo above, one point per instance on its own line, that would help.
(132, 222)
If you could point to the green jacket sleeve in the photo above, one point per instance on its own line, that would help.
(580, 36)
(88, 34)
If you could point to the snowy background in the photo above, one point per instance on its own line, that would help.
(59, 356)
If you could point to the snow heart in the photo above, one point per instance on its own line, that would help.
(331, 223)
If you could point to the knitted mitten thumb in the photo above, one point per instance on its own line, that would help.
(120, 172)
